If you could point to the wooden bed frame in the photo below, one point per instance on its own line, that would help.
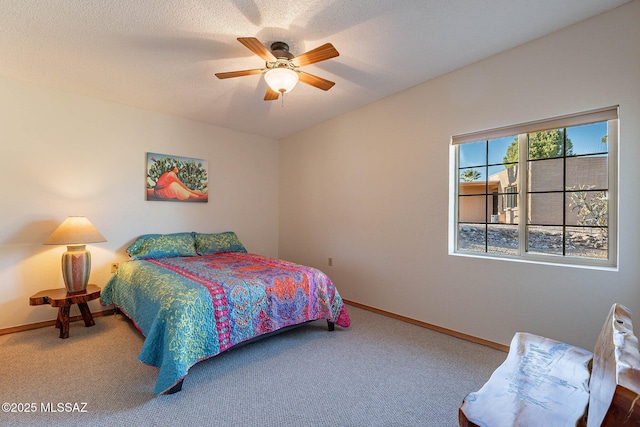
(544, 382)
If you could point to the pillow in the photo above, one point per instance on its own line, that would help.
(162, 246)
(207, 244)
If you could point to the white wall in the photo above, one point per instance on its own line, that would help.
(64, 154)
(371, 189)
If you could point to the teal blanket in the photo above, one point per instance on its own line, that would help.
(193, 308)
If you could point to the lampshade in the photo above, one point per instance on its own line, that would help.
(281, 80)
(74, 232)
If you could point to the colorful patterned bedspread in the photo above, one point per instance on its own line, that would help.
(192, 308)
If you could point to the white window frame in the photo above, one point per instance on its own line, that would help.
(609, 114)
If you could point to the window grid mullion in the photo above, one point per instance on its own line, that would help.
(564, 191)
(523, 210)
(486, 196)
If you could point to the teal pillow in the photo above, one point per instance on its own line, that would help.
(162, 246)
(207, 244)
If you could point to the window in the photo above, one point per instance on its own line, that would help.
(542, 191)
(511, 200)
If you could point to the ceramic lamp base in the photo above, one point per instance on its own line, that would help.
(76, 266)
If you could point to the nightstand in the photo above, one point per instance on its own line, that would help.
(60, 298)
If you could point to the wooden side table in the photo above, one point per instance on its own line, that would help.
(60, 298)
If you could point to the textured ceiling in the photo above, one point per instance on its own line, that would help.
(162, 55)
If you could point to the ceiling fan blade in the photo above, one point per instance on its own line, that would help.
(239, 73)
(315, 81)
(271, 95)
(255, 46)
(326, 51)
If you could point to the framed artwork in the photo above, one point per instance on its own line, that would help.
(176, 179)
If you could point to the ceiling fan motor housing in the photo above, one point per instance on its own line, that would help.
(281, 50)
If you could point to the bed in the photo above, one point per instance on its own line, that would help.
(195, 295)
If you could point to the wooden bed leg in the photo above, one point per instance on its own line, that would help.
(331, 326)
(176, 388)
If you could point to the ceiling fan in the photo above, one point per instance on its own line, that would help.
(282, 69)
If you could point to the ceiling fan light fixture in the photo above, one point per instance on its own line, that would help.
(281, 80)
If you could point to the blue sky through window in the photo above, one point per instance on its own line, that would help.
(586, 139)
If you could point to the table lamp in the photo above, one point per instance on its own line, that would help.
(75, 232)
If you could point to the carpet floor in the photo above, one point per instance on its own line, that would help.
(379, 372)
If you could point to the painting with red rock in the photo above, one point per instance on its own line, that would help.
(176, 178)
